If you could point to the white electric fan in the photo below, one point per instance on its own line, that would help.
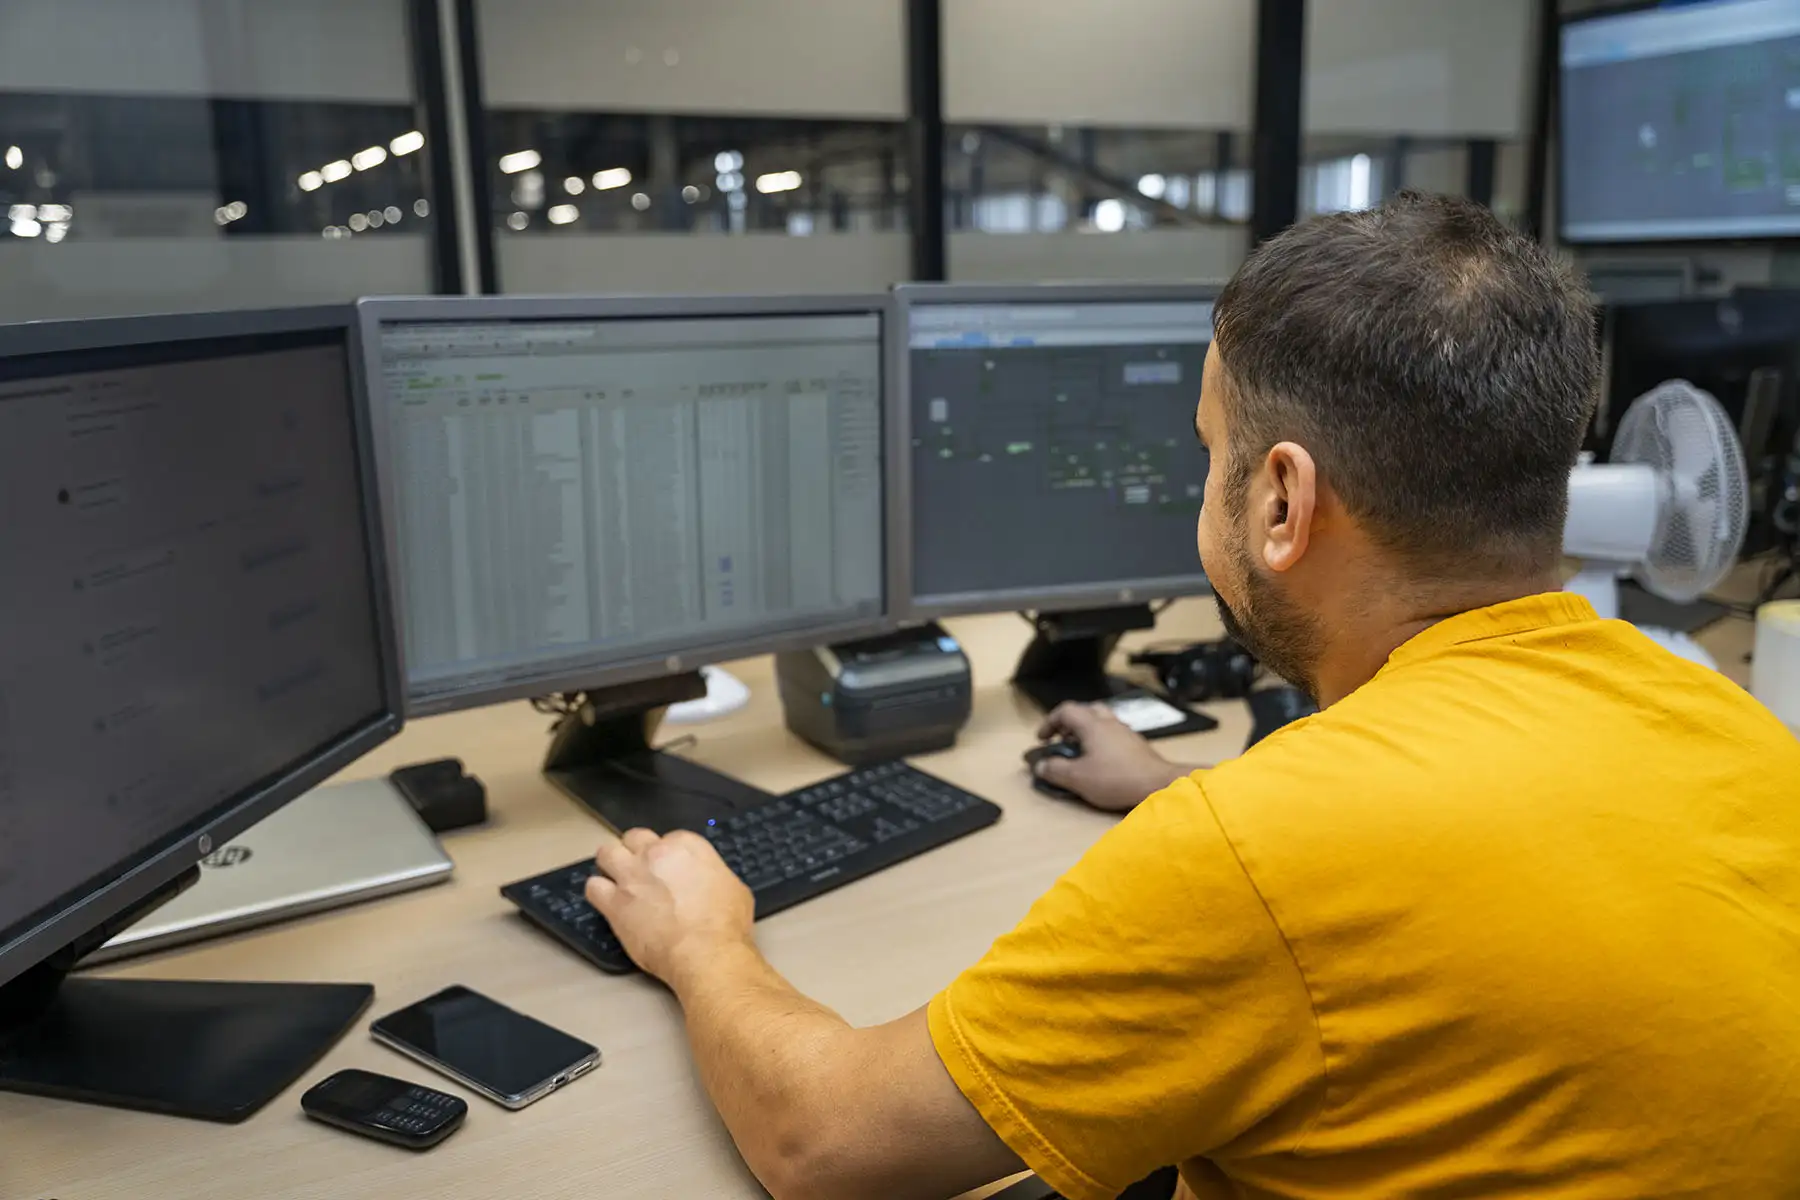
(1669, 509)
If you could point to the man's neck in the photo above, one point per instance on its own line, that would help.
(1364, 637)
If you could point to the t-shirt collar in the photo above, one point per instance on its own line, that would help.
(1546, 610)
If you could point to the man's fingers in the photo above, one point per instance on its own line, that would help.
(1065, 720)
(639, 840)
(614, 860)
(600, 892)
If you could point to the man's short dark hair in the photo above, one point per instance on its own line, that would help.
(1440, 368)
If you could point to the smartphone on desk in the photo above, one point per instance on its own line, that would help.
(510, 1058)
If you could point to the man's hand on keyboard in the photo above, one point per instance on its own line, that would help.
(671, 900)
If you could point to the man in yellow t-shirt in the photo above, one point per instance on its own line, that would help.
(1517, 914)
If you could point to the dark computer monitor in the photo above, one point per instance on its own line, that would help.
(1744, 349)
(194, 630)
(587, 492)
(1677, 124)
(590, 498)
(1718, 345)
(1050, 458)
(1051, 461)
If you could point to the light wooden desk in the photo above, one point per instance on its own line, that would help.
(640, 1126)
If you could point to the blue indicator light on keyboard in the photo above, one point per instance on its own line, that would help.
(711, 821)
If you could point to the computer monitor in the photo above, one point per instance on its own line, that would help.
(1677, 123)
(194, 629)
(587, 492)
(1744, 349)
(1050, 458)
(1051, 461)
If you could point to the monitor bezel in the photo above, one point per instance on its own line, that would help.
(65, 920)
(1626, 241)
(373, 312)
(1057, 598)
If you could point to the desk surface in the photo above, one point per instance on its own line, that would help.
(640, 1126)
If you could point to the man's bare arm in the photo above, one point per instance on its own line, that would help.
(818, 1109)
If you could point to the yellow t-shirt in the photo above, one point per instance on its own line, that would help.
(1518, 917)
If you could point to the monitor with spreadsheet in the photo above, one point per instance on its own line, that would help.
(1049, 443)
(589, 491)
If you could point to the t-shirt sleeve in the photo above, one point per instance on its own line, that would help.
(1147, 1010)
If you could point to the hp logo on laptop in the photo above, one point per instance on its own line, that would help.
(230, 856)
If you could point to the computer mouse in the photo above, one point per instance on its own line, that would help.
(1064, 748)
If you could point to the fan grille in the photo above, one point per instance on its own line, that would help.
(1704, 507)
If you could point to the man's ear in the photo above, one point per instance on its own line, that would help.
(1291, 479)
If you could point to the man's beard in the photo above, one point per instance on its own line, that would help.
(1283, 639)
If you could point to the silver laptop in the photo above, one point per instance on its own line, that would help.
(333, 846)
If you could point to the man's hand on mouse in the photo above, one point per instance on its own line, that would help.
(1117, 768)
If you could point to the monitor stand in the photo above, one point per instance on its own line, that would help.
(601, 755)
(210, 1050)
(1066, 663)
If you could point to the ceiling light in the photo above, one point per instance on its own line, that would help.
(26, 228)
(612, 177)
(376, 219)
(778, 181)
(364, 160)
(406, 143)
(518, 221)
(22, 212)
(1109, 216)
(563, 214)
(331, 172)
(220, 216)
(727, 160)
(690, 193)
(421, 207)
(640, 201)
(233, 212)
(358, 222)
(1152, 186)
(519, 160)
(574, 185)
(312, 181)
(56, 233)
(15, 157)
(55, 212)
(730, 181)
(392, 213)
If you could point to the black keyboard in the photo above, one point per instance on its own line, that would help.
(793, 848)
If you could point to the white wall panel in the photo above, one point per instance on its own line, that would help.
(1126, 63)
(1151, 255)
(836, 58)
(270, 49)
(147, 275)
(1458, 68)
(681, 263)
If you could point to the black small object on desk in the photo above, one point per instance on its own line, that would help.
(1063, 748)
(1271, 708)
(795, 847)
(880, 698)
(442, 794)
(384, 1108)
(1066, 662)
